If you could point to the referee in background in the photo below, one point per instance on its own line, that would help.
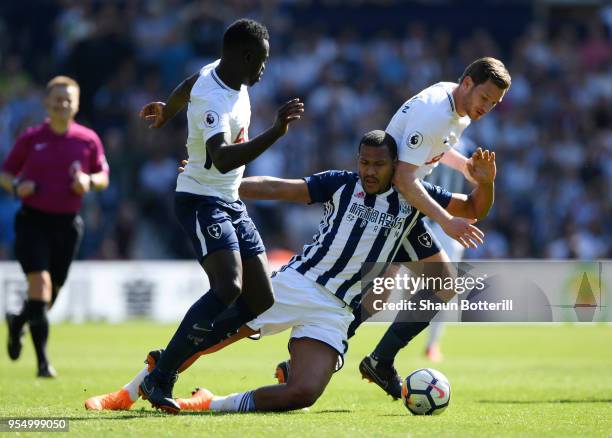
(50, 168)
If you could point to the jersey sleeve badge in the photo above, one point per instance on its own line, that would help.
(211, 118)
(415, 140)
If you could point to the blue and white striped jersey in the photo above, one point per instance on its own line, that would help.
(356, 228)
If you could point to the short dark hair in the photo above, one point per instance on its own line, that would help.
(487, 68)
(378, 138)
(62, 81)
(243, 32)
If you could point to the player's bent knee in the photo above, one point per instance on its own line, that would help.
(303, 396)
(39, 286)
(266, 302)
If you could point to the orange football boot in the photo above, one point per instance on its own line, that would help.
(199, 401)
(119, 400)
(114, 401)
(433, 353)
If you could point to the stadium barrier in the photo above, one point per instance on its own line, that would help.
(163, 290)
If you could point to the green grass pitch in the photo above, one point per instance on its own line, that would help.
(507, 380)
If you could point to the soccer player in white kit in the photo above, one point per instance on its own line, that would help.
(426, 128)
(224, 237)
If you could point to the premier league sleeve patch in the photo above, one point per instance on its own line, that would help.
(414, 140)
(211, 119)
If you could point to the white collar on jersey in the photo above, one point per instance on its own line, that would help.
(384, 194)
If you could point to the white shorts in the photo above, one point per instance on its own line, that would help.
(310, 310)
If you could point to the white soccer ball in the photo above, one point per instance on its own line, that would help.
(426, 392)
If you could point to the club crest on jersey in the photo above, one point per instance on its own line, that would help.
(214, 230)
(405, 208)
(360, 195)
(211, 119)
(415, 139)
(425, 240)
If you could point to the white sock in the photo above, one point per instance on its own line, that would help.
(238, 402)
(435, 331)
(132, 387)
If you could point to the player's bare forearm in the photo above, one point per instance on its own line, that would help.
(277, 189)
(179, 97)
(476, 205)
(483, 170)
(455, 160)
(227, 156)
(411, 188)
(482, 198)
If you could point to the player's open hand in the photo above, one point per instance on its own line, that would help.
(81, 183)
(181, 168)
(25, 188)
(154, 112)
(287, 113)
(482, 167)
(463, 231)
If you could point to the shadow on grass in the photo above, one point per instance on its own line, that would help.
(535, 402)
(149, 413)
(334, 411)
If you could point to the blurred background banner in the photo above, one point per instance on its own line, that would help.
(353, 64)
(117, 291)
(534, 291)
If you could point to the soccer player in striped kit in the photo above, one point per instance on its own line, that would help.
(365, 219)
(427, 127)
(50, 168)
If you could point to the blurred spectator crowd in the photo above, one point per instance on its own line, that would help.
(552, 133)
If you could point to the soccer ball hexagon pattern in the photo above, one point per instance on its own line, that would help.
(426, 392)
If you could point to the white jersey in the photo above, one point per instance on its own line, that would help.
(213, 108)
(426, 126)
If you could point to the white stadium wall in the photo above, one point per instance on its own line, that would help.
(114, 291)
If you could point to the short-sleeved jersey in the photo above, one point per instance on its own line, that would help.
(213, 108)
(426, 126)
(356, 228)
(51, 160)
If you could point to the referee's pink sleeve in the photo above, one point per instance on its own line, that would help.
(18, 154)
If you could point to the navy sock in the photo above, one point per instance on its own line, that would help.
(196, 327)
(397, 336)
(39, 328)
(406, 326)
(230, 321)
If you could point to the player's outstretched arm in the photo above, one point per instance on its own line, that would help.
(227, 156)
(158, 113)
(477, 204)
(277, 189)
(460, 229)
(455, 160)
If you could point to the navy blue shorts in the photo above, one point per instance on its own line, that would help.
(213, 224)
(420, 243)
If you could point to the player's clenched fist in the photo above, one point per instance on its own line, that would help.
(154, 112)
(287, 113)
